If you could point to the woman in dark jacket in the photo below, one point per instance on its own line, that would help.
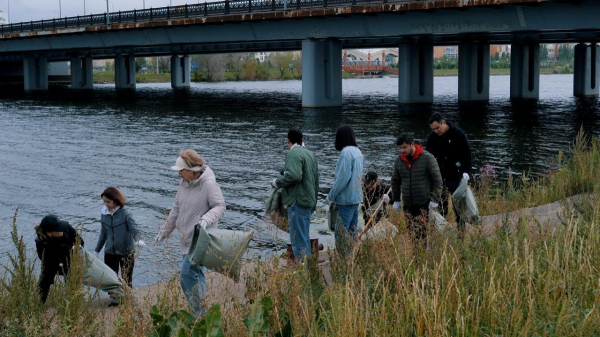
(54, 242)
(118, 234)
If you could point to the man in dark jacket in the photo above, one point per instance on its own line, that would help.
(300, 187)
(417, 178)
(54, 242)
(449, 145)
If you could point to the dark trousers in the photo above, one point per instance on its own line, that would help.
(416, 222)
(125, 262)
(49, 272)
(449, 187)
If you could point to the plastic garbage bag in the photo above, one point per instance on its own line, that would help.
(100, 276)
(464, 203)
(275, 210)
(436, 219)
(332, 215)
(219, 249)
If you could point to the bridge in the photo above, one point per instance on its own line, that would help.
(321, 29)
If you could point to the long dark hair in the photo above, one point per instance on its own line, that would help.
(344, 136)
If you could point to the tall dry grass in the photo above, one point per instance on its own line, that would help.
(528, 280)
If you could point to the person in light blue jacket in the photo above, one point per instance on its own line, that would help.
(346, 191)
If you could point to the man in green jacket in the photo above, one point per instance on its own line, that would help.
(417, 178)
(300, 185)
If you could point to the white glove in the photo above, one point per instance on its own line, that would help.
(159, 238)
(327, 202)
(466, 176)
(97, 255)
(386, 198)
(397, 206)
(203, 224)
(140, 243)
(433, 204)
(274, 182)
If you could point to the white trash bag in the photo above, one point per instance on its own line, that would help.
(464, 203)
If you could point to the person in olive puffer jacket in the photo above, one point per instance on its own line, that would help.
(118, 234)
(416, 177)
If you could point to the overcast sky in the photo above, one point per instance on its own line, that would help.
(32, 10)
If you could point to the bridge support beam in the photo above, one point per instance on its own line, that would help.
(474, 72)
(525, 70)
(415, 69)
(586, 72)
(180, 71)
(321, 73)
(81, 73)
(35, 73)
(125, 72)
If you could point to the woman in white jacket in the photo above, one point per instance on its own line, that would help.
(198, 201)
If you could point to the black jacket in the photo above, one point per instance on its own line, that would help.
(55, 254)
(452, 152)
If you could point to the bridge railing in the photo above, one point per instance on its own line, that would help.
(177, 12)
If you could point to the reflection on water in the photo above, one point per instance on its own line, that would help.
(60, 149)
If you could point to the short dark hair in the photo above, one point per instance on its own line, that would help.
(436, 117)
(295, 136)
(344, 136)
(405, 138)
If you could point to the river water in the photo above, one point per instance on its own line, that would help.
(60, 149)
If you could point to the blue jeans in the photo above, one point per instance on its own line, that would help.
(346, 228)
(299, 222)
(193, 284)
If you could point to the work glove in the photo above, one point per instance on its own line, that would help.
(203, 224)
(140, 243)
(386, 198)
(466, 176)
(433, 205)
(97, 255)
(274, 182)
(397, 206)
(159, 238)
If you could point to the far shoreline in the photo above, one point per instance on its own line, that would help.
(166, 77)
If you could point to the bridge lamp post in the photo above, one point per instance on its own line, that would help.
(59, 9)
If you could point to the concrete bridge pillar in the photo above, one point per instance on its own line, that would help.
(35, 73)
(81, 72)
(525, 70)
(415, 71)
(125, 72)
(473, 72)
(180, 71)
(586, 72)
(321, 73)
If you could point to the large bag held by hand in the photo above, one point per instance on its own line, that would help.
(465, 204)
(219, 249)
(332, 215)
(100, 276)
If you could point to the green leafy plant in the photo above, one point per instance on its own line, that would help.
(182, 323)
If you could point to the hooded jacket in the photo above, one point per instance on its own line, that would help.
(196, 200)
(452, 152)
(118, 232)
(418, 180)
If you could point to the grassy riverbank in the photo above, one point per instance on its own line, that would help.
(526, 279)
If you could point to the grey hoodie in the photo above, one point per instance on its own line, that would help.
(118, 232)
